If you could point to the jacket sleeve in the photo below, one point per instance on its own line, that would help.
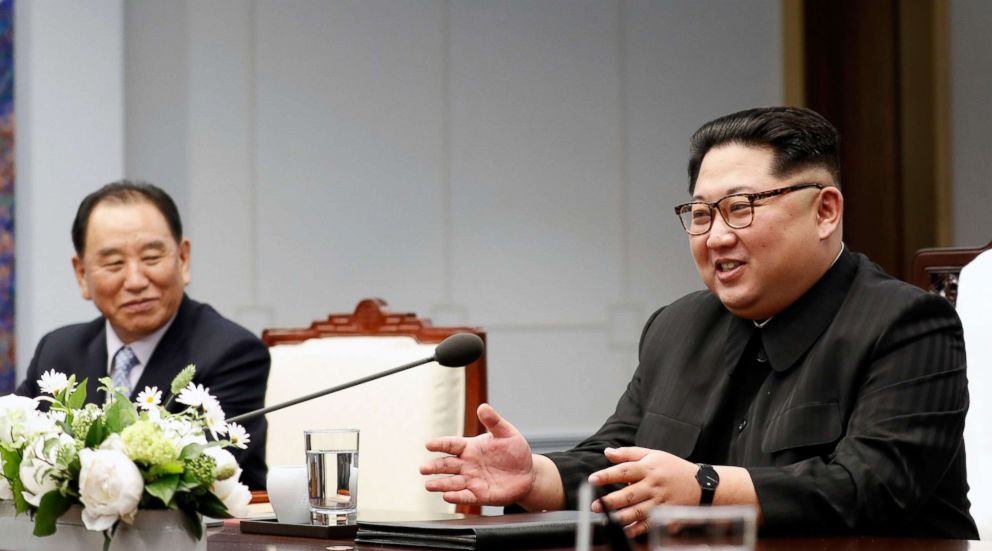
(238, 380)
(903, 435)
(619, 430)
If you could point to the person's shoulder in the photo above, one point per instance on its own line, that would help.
(890, 298)
(75, 335)
(694, 304)
(205, 321)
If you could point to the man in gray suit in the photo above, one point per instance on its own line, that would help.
(804, 381)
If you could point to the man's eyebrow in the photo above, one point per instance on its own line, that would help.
(108, 251)
(732, 191)
(156, 244)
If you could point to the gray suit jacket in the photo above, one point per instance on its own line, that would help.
(230, 361)
(857, 428)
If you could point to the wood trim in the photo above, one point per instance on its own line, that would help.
(936, 270)
(793, 54)
(371, 318)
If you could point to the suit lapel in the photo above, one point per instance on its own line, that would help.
(164, 364)
(94, 366)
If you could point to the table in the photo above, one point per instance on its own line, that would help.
(230, 538)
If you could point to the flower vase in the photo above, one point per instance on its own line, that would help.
(153, 530)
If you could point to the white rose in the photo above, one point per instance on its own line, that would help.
(113, 442)
(18, 418)
(233, 494)
(5, 493)
(227, 465)
(38, 468)
(110, 488)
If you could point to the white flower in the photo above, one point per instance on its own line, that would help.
(39, 466)
(149, 399)
(234, 495)
(182, 431)
(238, 436)
(52, 382)
(5, 493)
(213, 417)
(194, 395)
(110, 488)
(227, 465)
(19, 420)
(114, 442)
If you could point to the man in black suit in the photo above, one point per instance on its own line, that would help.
(133, 263)
(804, 382)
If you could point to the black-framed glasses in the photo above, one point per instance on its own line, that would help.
(737, 209)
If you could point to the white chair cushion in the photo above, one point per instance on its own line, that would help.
(396, 414)
(974, 306)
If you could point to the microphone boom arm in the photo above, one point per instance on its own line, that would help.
(252, 414)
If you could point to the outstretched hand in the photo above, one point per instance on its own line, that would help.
(495, 468)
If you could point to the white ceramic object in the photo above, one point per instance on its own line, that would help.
(287, 489)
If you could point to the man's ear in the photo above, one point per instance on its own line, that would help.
(829, 211)
(80, 270)
(184, 248)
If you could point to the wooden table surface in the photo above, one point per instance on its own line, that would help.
(230, 538)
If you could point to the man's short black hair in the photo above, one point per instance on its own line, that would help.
(125, 192)
(799, 137)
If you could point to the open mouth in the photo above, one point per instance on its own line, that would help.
(728, 266)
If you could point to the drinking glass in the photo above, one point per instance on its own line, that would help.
(332, 475)
(716, 528)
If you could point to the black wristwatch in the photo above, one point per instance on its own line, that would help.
(708, 481)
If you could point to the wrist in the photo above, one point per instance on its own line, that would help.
(708, 481)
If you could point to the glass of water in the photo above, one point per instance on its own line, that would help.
(332, 475)
(716, 528)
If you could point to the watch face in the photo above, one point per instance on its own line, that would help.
(707, 477)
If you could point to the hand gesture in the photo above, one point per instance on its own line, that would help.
(495, 468)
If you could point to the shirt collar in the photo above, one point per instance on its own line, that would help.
(797, 327)
(760, 324)
(143, 348)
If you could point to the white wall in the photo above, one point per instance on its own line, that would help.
(70, 139)
(971, 115)
(504, 164)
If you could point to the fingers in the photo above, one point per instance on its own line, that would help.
(462, 497)
(619, 455)
(446, 484)
(453, 445)
(442, 465)
(636, 529)
(624, 473)
(495, 425)
(621, 499)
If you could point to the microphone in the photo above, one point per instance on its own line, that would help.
(458, 350)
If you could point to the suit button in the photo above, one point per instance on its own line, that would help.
(742, 426)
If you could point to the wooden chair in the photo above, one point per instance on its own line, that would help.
(396, 414)
(938, 269)
(964, 277)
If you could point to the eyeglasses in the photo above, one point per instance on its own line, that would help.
(737, 210)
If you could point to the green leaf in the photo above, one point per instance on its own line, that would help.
(52, 505)
(212, 506)
(11, 466)
(163, 488)
(192, 519)
(120, 414)
(168, 468)
(96, 434)
(192, 451)
(78, 397)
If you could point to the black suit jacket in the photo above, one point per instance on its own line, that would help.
(856, 429)
(230, 361)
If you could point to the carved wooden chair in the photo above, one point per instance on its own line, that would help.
(964, 277)
(396, 414)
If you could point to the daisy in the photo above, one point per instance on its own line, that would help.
(149, 398)
(194, 395)
(213, 418)
(53, 382)
(238, 436)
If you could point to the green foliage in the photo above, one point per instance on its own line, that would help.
(164, 488)
(11, 466)
(52, 505)
(120, 414)
(96, 433)
(183, 379)
(78, 396)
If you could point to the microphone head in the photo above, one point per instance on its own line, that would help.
(459, 350)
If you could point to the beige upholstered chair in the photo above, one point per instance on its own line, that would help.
(396, 414)
(964, 276)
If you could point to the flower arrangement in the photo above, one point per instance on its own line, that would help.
(121, 457)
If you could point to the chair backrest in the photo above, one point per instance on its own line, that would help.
(938, 269)
(964, 277)
(396, 414)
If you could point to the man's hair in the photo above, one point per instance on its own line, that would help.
(799, 137)
(125, 192)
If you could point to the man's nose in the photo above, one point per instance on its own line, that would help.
(134, 276)
(720, 235)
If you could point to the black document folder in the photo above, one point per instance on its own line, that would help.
(520, 531)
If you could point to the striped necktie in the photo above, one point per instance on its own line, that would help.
(124, 362)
